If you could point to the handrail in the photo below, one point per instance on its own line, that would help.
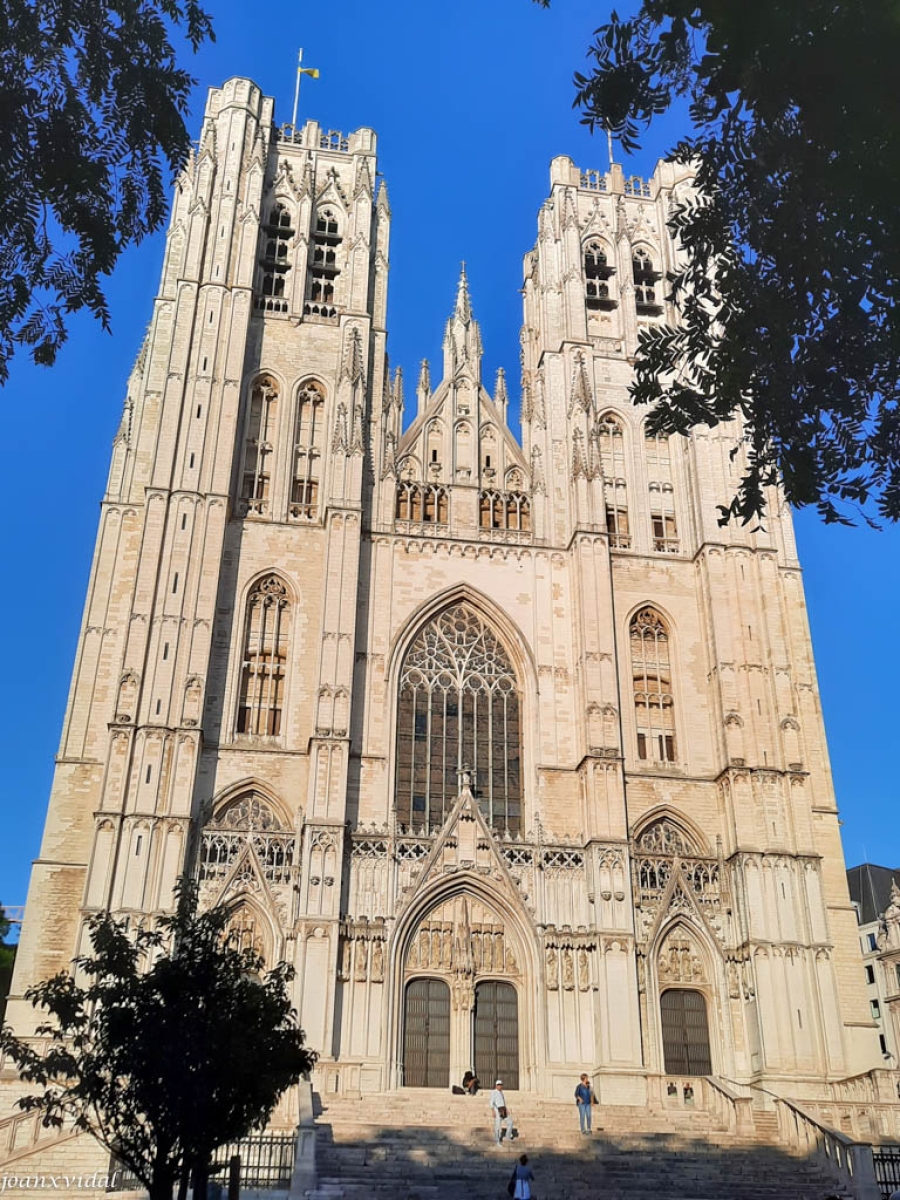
(21, 1133)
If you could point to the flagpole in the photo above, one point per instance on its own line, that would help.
(297, 88)
(609, 146)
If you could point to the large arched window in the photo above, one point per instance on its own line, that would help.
(275, 263)
(259, 444)
(248, 819)
(308, 433)
(458, 709)
(654, 710)
(645, 277)
(264, 659)
(597, 272)
(323, 264)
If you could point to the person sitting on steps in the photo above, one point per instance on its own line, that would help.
(470, 1083)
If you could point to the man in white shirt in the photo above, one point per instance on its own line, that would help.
(502, 1115)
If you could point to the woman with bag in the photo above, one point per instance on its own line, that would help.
(519, 1186)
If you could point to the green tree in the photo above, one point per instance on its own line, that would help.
(789, 294)
(7, 960)
(176, 1042)
(92, 106)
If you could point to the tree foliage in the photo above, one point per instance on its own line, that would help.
(7, 960)
(174, 1043)
(788, 292)
(91, 128)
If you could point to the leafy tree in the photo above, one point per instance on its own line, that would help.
(175, 1044)
(92, 106)
(789, 293)
(7, 960)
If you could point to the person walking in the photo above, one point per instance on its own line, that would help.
(584, 1098)
(502, 1115)
(519, 1186)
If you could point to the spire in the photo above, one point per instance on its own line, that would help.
(398, 388)
(462, 337)
(463, 304)
(501, 397)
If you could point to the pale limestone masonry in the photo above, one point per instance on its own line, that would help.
(260, 590)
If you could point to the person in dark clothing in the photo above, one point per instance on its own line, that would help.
(470, 1083)
(584, 1098)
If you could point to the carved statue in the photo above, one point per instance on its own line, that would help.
(583, 971)
(378, 962)
(568, 968)
(552, 969)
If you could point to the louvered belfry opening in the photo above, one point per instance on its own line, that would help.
(685, 1032)
(426, 1040)
(496, 1029)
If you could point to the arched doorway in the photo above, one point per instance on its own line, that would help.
(685, 1032)
(495, 1022)
(426, 1039)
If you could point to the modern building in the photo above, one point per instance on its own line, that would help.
(506, 743)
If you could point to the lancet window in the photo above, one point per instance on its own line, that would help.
(258, 445)
(323, 264)
(597, 273)
(277, 233)
(654, 708)
(662, 518)
(264, 659)
(458, 708)
(308, 436)
(611, 442)
(428, 503)
(504, 510)
(645, 278)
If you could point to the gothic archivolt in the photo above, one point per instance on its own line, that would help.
(462, 936)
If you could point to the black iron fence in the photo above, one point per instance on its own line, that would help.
(887, 1169)
(267, 1161)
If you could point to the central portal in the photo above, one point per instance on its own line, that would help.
(496, 1026)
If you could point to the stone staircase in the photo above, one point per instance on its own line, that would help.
(419, 1144)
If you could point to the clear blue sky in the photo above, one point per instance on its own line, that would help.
(470, 102)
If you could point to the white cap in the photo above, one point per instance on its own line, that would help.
(498, 1083)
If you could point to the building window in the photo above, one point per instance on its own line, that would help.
(875, 1009)
(504, 510)
(246, 820)
(657, 450)
(871, 941)
(611, 445)
(645, 277)
(897, 970)
(277, 233)
(264, 659)
(662, 518)
(653, 704)
(428, 503)
(458, 708)
(323, 264)
(883, 1044)
(258, 445)
(597, 273)
(870, 974)
(307, 450)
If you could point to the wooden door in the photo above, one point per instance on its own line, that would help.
(426, 1039)
(685, 1032)
(497, 1034)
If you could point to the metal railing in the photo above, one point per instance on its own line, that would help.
(887, 1169)
(266, 1161)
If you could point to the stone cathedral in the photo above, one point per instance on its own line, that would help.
(507, 745)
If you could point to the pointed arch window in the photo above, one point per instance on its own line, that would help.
(308, 440)
(264, 660)
(458, 707)
(662, 518)
(597, 274)
(504, 510)
(258, 445)
(323, 264)
(611, 442)
(247, 820)
(275, 259)
(645, 279)
(654, 709)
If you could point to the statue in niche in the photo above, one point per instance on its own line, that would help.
(734, 983)
(498, 951)
(487, 951)
(412, 960)
(568, 968)
(446, 950)
(436, 947)
(511, 964)
(424, 949)
(362, 948)
(583, 971)
(552, 969)
(345, 959)
(378, 962)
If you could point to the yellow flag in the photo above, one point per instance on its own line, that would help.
(313, 72)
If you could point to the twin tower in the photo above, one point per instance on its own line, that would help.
(509, 747)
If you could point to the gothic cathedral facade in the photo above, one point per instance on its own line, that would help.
(507, 745)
